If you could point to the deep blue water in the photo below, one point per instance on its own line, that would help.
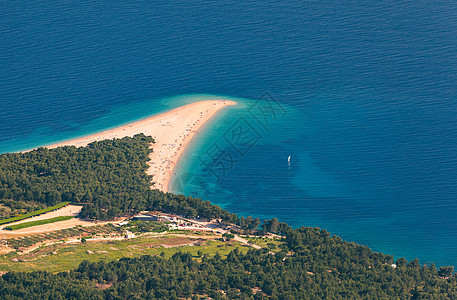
(361, 95)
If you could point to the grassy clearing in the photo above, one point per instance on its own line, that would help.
(265, 242)
(39, 222)
(58, 258)
(35, 213)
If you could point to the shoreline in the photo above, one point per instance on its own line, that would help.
(171, 130)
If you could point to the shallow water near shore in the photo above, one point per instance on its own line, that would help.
(362, 96)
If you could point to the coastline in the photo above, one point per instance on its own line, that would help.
(172, 132)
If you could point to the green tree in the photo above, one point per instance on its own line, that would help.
(271, 245)
(446, 271)
(228, 236)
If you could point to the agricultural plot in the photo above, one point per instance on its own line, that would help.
(36, 223)
(32, 214)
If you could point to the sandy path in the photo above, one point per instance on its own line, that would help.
(244, 241)
(172, 132)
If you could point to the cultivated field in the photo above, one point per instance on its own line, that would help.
(64, 257)
(70, 210)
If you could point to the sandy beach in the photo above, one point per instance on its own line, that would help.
(171, 130)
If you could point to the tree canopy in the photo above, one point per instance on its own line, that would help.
(108, 177)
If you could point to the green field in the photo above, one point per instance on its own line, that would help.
(35, 213)
(264, 242)
(56, 258)
(38, 222)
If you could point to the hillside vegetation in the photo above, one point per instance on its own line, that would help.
(108, 178)
(318, 266)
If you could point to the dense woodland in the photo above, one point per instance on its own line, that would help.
(109, 178)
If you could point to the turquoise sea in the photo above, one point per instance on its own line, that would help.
(361, 95)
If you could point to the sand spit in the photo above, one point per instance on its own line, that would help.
(171, 130)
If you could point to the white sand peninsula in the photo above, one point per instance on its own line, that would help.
(172, 132)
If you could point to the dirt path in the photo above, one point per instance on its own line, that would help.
(244, 241)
